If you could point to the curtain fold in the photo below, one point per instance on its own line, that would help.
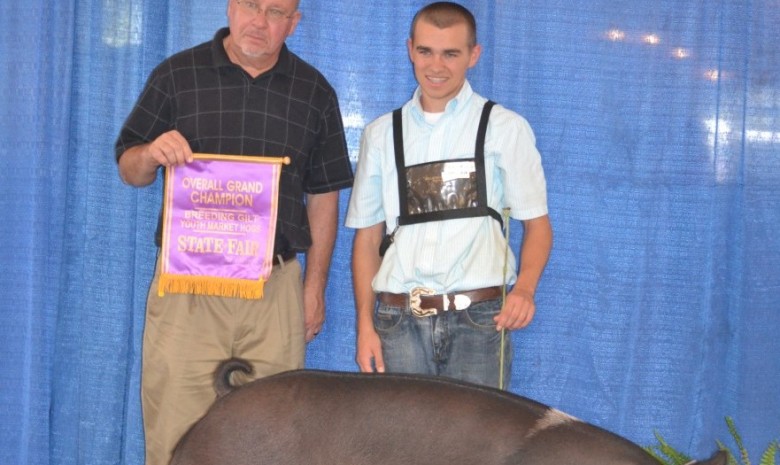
(659, 129)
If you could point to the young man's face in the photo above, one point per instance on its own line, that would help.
(441, 58)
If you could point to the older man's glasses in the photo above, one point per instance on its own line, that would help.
(272, 14)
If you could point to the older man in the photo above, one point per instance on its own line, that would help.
(242, 93)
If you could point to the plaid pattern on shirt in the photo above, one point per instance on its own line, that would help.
(290, 110)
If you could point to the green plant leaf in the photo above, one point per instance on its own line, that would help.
(768, 458)
(730, 459)
(657, 456)
(738, 440)
(667, 454)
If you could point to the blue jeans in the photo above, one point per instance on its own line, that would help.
(461, 344)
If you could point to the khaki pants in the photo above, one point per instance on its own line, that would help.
(187, 336)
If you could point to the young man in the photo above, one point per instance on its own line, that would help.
(433, 303)
(243, 93)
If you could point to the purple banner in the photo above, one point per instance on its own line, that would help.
(219, 223)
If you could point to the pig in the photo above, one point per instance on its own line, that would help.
(312, 417)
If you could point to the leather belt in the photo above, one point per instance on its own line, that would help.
(285, 257)
(423, 302)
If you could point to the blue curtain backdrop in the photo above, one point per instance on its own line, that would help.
(659, 127)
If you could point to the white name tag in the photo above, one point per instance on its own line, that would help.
(457, 170)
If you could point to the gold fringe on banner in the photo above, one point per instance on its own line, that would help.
(201, 284)
(207, 285)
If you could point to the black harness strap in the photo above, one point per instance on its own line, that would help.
(479, 161)
(398, 142)
(479, 165)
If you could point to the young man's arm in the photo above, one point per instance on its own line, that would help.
(365, 265)
(519, 308)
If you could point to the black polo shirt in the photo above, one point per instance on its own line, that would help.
(290, 110)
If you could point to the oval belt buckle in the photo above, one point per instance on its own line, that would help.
(415, 301)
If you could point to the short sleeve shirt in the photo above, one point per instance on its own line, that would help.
(455, 254)
(290, 110)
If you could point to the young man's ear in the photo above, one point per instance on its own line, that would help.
(476, 52)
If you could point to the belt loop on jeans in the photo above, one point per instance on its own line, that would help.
(424, 301)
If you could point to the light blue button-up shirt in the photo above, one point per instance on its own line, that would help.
(458, 254)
